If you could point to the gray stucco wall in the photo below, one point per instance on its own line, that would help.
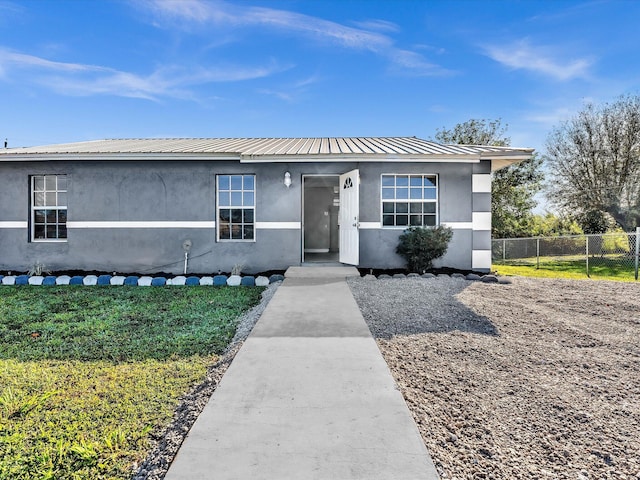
(377, 246)
(159, 191)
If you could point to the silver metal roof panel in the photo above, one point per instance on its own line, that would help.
(270, 150)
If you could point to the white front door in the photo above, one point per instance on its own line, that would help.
(349, 217)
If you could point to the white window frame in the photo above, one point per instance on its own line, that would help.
(436, 201)
(242, 207)
(57, 207)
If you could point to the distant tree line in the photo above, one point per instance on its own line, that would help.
(592, 176)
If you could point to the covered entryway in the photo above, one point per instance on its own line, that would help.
(330, 218)
(320, 231)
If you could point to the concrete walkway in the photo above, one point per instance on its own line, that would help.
(308, 396)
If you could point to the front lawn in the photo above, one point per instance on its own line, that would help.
(89, 374)
(600, 268)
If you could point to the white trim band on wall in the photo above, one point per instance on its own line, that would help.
(177, 224)
(479, 223)
(13, 225)
(278, 225)
(454, 225)
(481, 259)
(141, 224)
(481, 220)
(369, 225)
(459, 225)
(481, 183)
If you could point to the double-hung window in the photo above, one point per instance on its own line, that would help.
(409, 200)
(236, 207)
(48, 207)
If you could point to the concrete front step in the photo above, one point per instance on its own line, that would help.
(322, 272)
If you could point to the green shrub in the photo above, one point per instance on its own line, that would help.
(615, 241)
(421, 246)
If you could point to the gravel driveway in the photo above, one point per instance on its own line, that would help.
(537, 379)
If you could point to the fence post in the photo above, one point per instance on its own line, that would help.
(587, 253)
(537, 253)
(504, 249)
(637, 249)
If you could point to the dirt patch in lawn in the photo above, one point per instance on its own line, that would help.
(537, 379)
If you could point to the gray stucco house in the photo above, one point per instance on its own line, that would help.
(152, 205)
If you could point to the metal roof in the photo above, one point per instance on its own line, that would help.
(268, 150)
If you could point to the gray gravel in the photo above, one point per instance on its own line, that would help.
(537, 379)
(534, 379)
(415, 305)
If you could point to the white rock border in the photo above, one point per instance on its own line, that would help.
(143, 281)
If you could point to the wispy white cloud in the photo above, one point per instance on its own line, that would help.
(84, 80)
(379, 25)
(568, 13)
(430, 48)
(415, 63)
(20, 60)
(521, 55)
(189, 10)
(185, 13)
(10, 12)
(10, 7)
(293, 91)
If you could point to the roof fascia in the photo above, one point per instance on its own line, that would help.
(146, 156)
(358, 157)
(510, 158)
(499, 160)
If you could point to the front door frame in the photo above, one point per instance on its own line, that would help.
(304, 176)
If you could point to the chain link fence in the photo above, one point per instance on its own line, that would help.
(609, 254)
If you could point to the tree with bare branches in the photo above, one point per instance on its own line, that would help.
(595, 161)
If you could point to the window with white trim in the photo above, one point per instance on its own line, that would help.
(236, 207)
(409, 200)
(48, 207)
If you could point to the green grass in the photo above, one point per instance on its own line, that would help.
(608, 268)
(88, 375)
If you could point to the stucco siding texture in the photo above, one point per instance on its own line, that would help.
(137, 192)
(482, 240)
(377, 250)
(14, 195)
(185, 191)
(481, 202)
(483, 167)
(454, 189)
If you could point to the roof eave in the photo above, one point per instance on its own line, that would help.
(358, 157)
(502, 161)
(498, 159)
(144, 156)
(154, 156)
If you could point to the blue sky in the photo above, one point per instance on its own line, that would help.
(81, 70)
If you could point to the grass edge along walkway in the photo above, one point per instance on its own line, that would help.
(67, 413)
